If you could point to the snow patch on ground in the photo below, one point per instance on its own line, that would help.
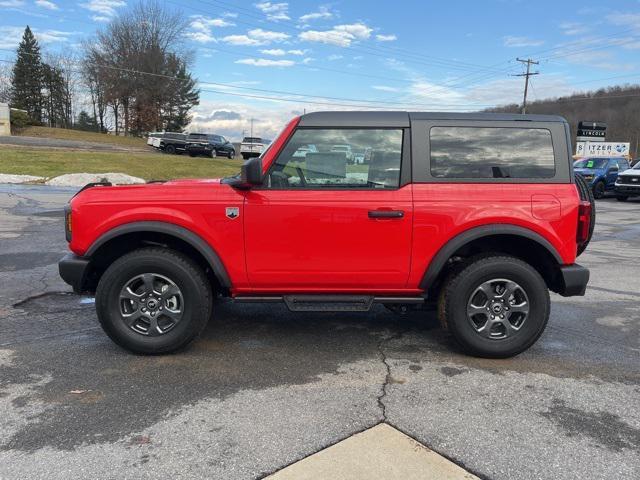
(81, 179)
(8, 178)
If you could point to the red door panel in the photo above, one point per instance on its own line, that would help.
(302, 240)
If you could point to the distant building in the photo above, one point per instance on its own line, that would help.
(5, 123)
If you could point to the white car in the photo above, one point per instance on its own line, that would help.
(153, 138)
(346, 149)
(303, 150)
(253, 147)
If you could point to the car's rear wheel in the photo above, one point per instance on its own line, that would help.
(170, 149)
(153, 300)
(192, 154)
(495, 306)
(599, 190)
(622, 198)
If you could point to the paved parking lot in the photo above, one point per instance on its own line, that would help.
(265, 387)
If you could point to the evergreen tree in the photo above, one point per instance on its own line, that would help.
(26, 78)
(85, 122)
(184, 95)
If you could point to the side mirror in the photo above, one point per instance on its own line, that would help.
(250, 174)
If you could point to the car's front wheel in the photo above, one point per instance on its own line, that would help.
(599, 190)
(495, 306)
(622, 198)
(153, 300)
(232, 154)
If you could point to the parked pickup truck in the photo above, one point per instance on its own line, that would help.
(172, 142)
(476, 215)
(253, 147)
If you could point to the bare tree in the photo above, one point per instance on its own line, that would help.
(133, 66)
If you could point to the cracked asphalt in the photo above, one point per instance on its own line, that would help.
(265, 387)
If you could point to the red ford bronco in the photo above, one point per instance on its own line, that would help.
(478, 214)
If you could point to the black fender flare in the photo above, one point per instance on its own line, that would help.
(448, 249)
(184, 234)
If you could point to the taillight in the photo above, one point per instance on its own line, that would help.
(584, 222)
(67, 222)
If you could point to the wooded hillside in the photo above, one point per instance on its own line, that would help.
(618, 106)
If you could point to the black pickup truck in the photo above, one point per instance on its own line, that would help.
(196, 144)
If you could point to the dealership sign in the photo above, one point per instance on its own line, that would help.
(602, 149)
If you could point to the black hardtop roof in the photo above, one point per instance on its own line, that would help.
(403, 119)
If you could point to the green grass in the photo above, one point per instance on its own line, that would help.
(156, 166)
(77, 135)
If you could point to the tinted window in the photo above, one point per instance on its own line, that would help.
(197, 136)
(310, 159)
(251, 140)
(591, 163)
(623, 164)
(488, 152)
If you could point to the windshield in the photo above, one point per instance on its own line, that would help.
(591, 163)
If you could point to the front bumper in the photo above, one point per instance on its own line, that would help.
(73, 270)
(627, 189)
(573, 280)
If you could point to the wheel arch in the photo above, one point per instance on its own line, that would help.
(130, 236)
(499, 238)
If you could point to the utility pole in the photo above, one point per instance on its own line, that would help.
(526, 76)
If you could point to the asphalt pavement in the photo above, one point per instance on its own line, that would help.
(264, 387)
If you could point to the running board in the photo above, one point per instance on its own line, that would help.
(330, 303)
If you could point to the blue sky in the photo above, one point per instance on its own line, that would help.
(418, 55)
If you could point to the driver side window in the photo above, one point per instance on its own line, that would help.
(316, 158)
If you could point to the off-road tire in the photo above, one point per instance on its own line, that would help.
(586, 194)
(185, 273)
(459, 287)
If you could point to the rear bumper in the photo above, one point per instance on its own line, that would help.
(574, 280)
(73, 270)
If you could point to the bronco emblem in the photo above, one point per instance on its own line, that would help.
(233, 212)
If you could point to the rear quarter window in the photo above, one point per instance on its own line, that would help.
(491, 152)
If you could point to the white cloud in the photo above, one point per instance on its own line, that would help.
(100, 18)
(256, 37)
(11, 36)
(105, 8)
(47, 4)
(323, 13)
(385, 88)
(334, 57)
(624, 19)
(266, 62)
(274, 11)
(386, 38)
(11, 3)
(573, 28)
(511, 41)
(296, 52)
(276, 52)
(202, 28)
(340, 35)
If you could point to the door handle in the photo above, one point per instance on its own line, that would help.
(386, 213)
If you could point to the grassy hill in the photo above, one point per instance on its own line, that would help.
(150, 166)
(77, 135)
